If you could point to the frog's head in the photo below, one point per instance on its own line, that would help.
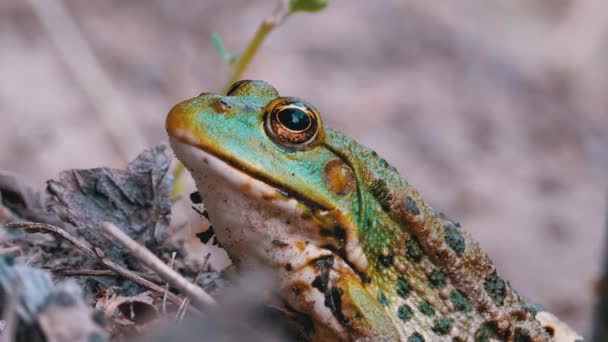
(267, 176)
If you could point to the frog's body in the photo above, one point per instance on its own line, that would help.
(353, 245)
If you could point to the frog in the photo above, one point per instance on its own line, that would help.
(350, 244)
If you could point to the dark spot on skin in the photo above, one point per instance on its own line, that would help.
(95, 337)
(288, 267)
(415, 337)
(403, 287)
(196, 198)
(495, 288)
(411, 205)
(365, 279)
(279, 243)
(333, 300)
(382, 299)
(380, 191)
(442, 326)
(404, 312)
(460, 301)
(324, 264)
(426, 309)
(64, 299)
(519, 315)
(336, 231)
(549, 330)
(201, 213)
(414, 251)
(342, 254)
(320, 282)
(459, 339)
(454, 239)
(325, 261)
(521, 335)
(385, 261)
(437, 279)
(206, 235)
(487, 331)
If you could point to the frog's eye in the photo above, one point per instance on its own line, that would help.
(292, 123)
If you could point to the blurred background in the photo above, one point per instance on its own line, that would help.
(495, 110)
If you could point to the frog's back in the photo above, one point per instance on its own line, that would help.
(430, 276)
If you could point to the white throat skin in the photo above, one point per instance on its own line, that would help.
(254, 221)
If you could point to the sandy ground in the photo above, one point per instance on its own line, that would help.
(496, 111)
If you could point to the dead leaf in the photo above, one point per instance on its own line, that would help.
(136, 199)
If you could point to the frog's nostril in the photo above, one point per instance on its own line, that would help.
(221, 106)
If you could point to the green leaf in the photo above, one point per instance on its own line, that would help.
(306, 5)
(221, 50)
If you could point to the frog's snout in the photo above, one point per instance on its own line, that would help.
(180, 125)
(175, 120)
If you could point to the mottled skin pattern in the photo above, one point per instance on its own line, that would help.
(356, 248)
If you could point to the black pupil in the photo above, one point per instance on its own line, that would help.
(294, 119)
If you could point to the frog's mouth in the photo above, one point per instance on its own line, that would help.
(196, 157)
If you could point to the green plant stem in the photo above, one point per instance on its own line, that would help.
(179, 185)
(247, 56)
(238, 70)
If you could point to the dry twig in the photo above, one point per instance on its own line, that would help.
(101, 273)
(199, 297)
(96, 252)
(167, 284)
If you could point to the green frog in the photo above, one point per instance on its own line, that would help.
(351, 244)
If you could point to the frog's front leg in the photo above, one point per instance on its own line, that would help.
(327, 290)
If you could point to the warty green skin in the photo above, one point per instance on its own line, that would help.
(379, 263)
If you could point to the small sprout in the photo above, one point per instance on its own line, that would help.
(221, 50)
(306, 5)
